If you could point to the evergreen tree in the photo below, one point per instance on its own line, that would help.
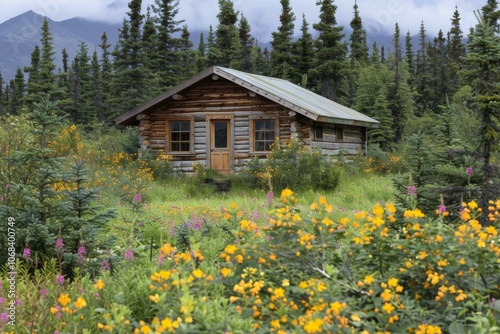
(96, 94)
(3, 102)
(80, 84)
(187, 55)
(422, 75)
(213, 53)
(303, 54)
(382, 54)
(246, 62)
(33, 71)
(491, 14)
(281, 53)
(438, 74)
(201, 54)
(169, 70)
(399, 94)
(331, 53)
(375, 56)
(483, 59)
(410, 57)
(359, 47)
(456, 50)
(106, 78)
(227, 35)
(371, 99)
(17, 94)
(47, 67)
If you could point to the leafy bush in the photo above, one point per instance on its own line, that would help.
(293, 166)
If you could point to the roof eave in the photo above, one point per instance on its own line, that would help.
(129, 118)
(366, 124)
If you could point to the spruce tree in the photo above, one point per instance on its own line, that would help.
(246, 62)
(410, 58)
(169, 70)
(201, 54)
(47, 67)
(106, 77)
(227, 35)
(438, 82)
(375, 56)
(399, 94)
(358, 45)
(96, 94)
(213, 53)
(331, 51)
(483, 60)
(80, 85)
(281, 53)
(456, 50)
(422, 75)
(303, 54)
(33, 85)
(187, 55)
(17, 98)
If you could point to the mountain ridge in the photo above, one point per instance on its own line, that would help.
(20, 34)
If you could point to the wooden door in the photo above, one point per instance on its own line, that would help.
(220, 145)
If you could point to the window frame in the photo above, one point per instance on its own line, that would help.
(168, 135)
(316, 128)
(252, 141)
(339, 134)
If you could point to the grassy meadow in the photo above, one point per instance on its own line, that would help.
(142, 250)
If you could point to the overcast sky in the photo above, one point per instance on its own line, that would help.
(378, 16)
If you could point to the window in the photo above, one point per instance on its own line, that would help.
(264, 133)
(318, 132)
(179, 136)
(339, 133)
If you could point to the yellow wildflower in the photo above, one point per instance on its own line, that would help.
(80, 302)
(64, 299)
(99, 284)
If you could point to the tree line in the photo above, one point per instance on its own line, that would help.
(401, 88)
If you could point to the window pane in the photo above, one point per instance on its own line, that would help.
(176, 136)
(270, 125)
(184, 147)
(270, 135)
(175, 126)
(259, 146)
(174, 146)
(184, 136)
(259, 125)
(220, 135)
(185, 126)
(268, 146)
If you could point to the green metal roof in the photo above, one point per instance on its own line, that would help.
(300, 99)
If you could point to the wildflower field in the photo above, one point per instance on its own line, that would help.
(138, 252)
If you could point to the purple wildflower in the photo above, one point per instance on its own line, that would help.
(95, 294)
(137, 198)
(4, 317)
(27, 253)
(161, 259)
(412, 191)
(141, 224)
(7, 186)
(2, 300)
(129, 255)
(268, 238)
(43, 292)
(60, 280)
(104, 265)
(56, 332)
(469, 171)
(59, 243)
(82, 251)
(270, 198)
(442, 208)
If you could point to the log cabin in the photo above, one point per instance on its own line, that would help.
(221, 118)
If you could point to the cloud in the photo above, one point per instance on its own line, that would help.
(379, 17)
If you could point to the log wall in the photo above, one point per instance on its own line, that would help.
(222, 97)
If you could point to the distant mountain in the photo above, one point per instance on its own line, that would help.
(19, 35)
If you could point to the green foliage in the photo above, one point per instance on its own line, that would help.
(294, 166)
